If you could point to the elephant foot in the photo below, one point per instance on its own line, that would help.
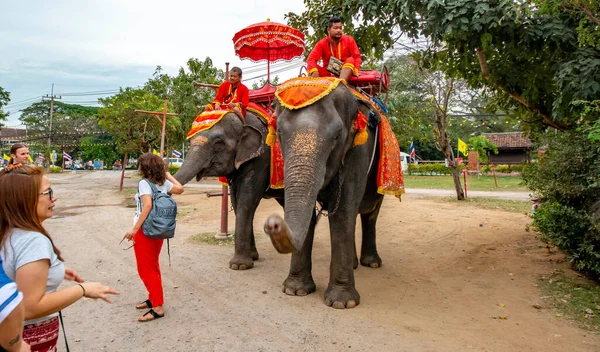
(241, 262)
(371, 261)
(341, 297)
(296, 286)
(254, 254)
(280, 234)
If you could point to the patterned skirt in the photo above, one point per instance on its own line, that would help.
(43, 336)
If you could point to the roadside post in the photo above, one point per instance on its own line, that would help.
(464, 172)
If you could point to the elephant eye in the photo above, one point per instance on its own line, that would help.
(219, 144)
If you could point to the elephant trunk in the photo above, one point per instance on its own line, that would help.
(304, 177)
(193, 166)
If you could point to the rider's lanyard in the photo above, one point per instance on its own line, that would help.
(231, 97)
(339, 50)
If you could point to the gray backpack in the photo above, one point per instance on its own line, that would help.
(160, 223)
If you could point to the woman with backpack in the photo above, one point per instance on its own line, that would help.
(30, 258)
(147, 250)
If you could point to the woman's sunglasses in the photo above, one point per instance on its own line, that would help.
(49, 192)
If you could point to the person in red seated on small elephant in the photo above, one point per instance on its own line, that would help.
(339, 53)
(233, 94)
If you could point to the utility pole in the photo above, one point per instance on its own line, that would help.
(51, 97)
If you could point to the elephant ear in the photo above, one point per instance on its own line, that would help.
(250, 146)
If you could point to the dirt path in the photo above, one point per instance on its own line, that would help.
(447, 272)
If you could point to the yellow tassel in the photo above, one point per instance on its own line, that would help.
(271, 137)
(361, 137)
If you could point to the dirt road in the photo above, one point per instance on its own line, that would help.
(448, 276)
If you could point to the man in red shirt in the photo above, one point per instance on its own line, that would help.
(232, 94)
(339, 53)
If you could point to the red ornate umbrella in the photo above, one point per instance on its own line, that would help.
(269, 41)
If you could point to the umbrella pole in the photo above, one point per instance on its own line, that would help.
(268, 62)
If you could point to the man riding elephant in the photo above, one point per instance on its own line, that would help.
(233, 94)
(339, 52)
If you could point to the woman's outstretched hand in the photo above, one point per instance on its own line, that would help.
(97, 290)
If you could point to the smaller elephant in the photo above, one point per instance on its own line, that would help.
(238, 152)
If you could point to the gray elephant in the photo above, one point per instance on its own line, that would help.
(323, 164)
(238, 152)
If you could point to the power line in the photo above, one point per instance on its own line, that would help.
(21, 101)
(287, 68)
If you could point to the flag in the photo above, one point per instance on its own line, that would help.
(413, 153)
(176, 154)
(155, 152)
(29, 158)
(51, 157)
(67, 156)
(462, 147)
(5, 157)
(41, 156)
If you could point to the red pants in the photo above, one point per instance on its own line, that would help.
(147, 251)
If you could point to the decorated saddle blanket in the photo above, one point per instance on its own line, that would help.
(390, 178)
(205, 121)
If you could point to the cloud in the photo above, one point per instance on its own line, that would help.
(93, 44)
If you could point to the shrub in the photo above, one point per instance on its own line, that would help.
(571, 230)
(173, 169)
(566, 178)
(55, 169)
(432, 169)
(517, 168)
(503, 169)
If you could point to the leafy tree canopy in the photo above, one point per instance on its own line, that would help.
(187, 100)
(135, 131)
(4, 99)
(534, 58)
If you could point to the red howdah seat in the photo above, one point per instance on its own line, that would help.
(372, 81)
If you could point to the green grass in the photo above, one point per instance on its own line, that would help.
(513, 206)
(573, 299)
(474, 183)
(209, 238)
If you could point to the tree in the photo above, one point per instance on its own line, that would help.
(410, 114)
(133, 132)
(443, 94)
(4, 99)
(482, 146)
(187, 100)
(263, 81)
(532, 62)
(65, 117)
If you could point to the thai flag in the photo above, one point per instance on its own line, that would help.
(41, 156)
(67, 156)
(413, 154)
(176, 154)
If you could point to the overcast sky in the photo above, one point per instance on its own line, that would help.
(83, 46)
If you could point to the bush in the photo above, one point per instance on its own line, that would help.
(55, 169)
(173, 169)
(503, 169)
(572, 231)
(432, 169)
(566, 178)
